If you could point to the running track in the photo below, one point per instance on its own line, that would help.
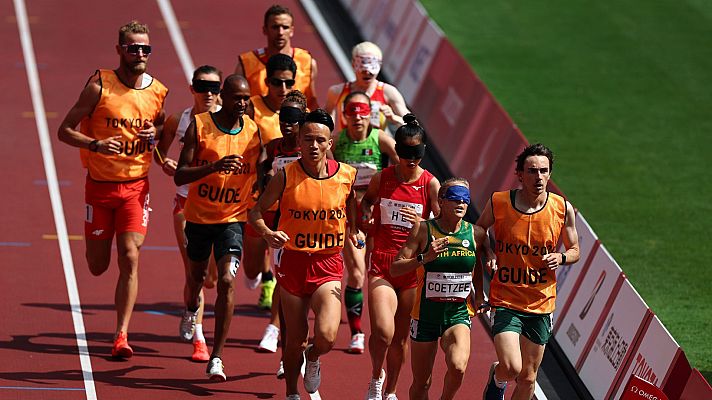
(39, 355)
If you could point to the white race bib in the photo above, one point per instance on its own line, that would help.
(280, 162)
(391, 215)
(364, 172)
(447, 286)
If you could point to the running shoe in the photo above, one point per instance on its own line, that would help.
(375, 387)
(312, 373)
(391, 396)
(492, 392)
(253, 283)
(357, 343)
(269, 339)
(216, 370)
(121, 348)
(280, 371)
(186, 329)
(293, 397)
(265, 301)
(200, 352)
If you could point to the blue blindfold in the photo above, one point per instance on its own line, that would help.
(458, 193)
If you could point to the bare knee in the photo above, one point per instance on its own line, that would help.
(526, 378)
(509, 370)
(225, 282)
(457, 366)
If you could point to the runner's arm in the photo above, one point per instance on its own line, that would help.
(368, 200)
(272, 193)
(387, 145)
(83, 108)
(395, 100)
(312, 101)
(168, 164)
(433, 189)
(405, 261)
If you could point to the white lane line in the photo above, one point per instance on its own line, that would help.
(54, 195)
(342, 60)
(169, 17)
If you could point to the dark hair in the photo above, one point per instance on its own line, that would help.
(277, 9)
(320, 116)
(206, 69)
(411, 129)
(537, 149)
(281, 62)
(132, 27)
(297, 97)
(354, 94)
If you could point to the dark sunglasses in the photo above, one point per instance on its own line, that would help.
(135, 48)
(201, 86)
(279, 82)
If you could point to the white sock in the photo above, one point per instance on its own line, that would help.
(198, 335)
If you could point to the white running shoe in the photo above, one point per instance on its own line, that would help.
(312, 373)
(280, 371)
(391, 396)
(293, 397)
(270, 339)
(216, 370)
(357, 343)
(375, 387)
(186, 329)
(253, 284)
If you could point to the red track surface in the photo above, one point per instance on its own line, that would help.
(37, 341)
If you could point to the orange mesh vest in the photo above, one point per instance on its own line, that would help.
(121, 111)
(521, 282)
(253, 64)
(266, 119)
(223, 197)
(313, 211)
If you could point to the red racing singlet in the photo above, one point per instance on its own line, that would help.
(378, 98)
(391, 230)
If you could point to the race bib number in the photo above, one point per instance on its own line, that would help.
(447, 286)
(281, 162)
(391, 215)
(376, 114)
(364, 172)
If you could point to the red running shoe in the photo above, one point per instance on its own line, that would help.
(121, 347)
(200, 352)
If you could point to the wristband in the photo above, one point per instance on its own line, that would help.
(94, 145)
(563, 258)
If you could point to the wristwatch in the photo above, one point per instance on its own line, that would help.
(420, 258)
(94, 145)
(563, 258)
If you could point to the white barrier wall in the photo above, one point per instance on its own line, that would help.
(592, 301)
(614, 342)
(653, 358)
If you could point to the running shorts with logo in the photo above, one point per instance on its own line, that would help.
(221, 239)
(380, 265)
(179, 204)
(301, 273)
(535, 327)
(115, 207)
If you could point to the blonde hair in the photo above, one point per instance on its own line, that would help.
(132, 27)
(366, 48)
(452, 182)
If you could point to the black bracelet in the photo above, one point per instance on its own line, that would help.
(563, 258)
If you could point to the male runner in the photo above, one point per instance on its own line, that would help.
(121, 115)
